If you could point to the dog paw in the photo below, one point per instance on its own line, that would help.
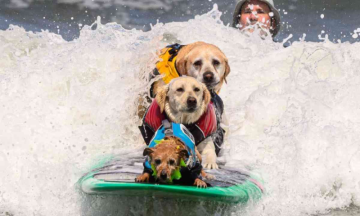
(209, 177)
(211, 165)
(200, 183)
(142, 178)
(210, 159)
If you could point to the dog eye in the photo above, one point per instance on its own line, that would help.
(180, 90)
(216, 62)
(157, 161)
(171, 162)
(198, 63)
(196, 89)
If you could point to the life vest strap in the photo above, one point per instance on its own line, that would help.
(175, 48)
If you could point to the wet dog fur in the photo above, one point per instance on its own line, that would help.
(184, 101)
(166, 157)
(205, 62)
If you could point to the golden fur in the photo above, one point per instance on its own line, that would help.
(207, 54)
(185, 64)
(175, 103)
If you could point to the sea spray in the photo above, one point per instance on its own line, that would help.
(294, 114)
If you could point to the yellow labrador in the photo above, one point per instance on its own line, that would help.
(205, 62)
(186, 101)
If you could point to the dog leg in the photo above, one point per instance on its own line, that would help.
(207, 149)
(200, 183)
(143, 178)
(206, 175)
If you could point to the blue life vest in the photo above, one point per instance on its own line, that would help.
(179, 131)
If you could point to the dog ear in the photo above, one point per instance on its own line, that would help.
(161, 97)
(147, 152)
(181, 60)
(206, 95)
(227, 70)
(181, 65)
(183, 153)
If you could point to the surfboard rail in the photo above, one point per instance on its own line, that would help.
(230, 186)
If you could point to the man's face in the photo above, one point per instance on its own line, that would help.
(255, 12)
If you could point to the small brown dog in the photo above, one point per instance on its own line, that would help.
(167, 159)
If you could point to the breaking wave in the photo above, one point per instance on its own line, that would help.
(65, 105)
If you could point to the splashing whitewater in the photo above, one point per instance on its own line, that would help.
(294, 113)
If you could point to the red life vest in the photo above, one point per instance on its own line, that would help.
(203, 128)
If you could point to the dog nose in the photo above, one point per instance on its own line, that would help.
(208, 77)
(191, 101)
(163, 175)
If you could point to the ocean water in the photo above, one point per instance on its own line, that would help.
(65, 105)
(315, 18)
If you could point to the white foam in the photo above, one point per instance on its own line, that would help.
(294, 113)
(94, 4)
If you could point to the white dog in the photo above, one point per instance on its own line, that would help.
(188, 101)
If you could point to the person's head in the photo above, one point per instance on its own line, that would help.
(250, 14)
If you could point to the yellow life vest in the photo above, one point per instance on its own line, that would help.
(166, 67)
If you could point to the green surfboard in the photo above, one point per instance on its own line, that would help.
(118, 177)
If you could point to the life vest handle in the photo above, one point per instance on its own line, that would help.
(168, 128)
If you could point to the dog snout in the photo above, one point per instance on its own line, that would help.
(191, 101)
(208, 77)
(163, 175)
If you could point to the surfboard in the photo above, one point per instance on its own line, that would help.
(118, 177)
